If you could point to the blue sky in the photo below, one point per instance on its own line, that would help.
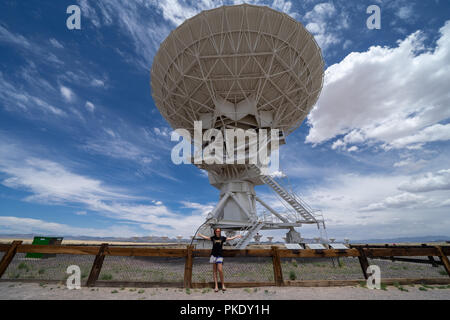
(84, 151)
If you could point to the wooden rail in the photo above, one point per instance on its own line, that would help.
(362, 252)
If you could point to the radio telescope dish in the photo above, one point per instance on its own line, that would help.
(239, 66)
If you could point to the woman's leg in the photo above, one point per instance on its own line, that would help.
(220, 267)
(216, 286)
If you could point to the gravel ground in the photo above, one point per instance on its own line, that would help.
(16, 291)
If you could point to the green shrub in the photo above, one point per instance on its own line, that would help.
(106, 276)
(292, 275)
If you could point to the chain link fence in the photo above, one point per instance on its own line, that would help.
(143, 269)
(238, 269)
(47, 268)
(235, 269)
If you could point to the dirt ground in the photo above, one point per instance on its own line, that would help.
(36, 291)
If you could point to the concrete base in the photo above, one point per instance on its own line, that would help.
(293, 236)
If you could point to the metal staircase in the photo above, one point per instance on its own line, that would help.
(300, 207)
(250, 231)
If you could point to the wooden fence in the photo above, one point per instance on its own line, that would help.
(275, 253)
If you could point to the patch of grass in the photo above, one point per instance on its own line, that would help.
(340, 264)
(248, 290)
(399, 287)
(114, 291)
(292, 275)
(294, 263)
(255, 290)
(41, 271)
(266, 291)
(106, 276)
(423, 289)
(141, 291)
(132, 290)
(363, 284)
(383, 286)
(123, 288)
(442, 272)
(188, 291)
(22, 265)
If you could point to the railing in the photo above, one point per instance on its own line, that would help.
(190, 256)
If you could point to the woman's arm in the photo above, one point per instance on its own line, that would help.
(204, 237)
(236, 236)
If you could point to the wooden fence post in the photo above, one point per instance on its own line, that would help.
(188, 268)
(9, 255)
(444, 260)
(430, 258)
(277, 271)
(363, 261)
(97, 265)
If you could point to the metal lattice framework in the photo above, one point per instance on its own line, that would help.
(238, 66)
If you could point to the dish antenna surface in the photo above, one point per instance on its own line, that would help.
(241, 67)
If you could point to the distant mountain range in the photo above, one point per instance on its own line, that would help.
(406, 240)
(424, 239)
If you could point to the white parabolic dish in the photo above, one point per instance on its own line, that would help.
(239, 66)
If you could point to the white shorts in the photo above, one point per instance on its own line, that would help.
(213, 259)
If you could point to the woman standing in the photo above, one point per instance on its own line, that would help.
(216, 255)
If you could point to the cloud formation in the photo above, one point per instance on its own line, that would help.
(395, 96)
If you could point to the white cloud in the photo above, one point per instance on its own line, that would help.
(343, 197)
(17, 39)
(56, 43)
(403, 200)
(29, 47)
(437, 132)
(12, 224)
(428, 182)
(81, 213)
(321, 22)
(405, 12)
(54, 184)
(90, 106)
(164, 131)
(67, 93)
(277, 174)
(397, 96)
(97, 83)
(15, 98)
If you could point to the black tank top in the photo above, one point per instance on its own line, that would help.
(217, 245)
